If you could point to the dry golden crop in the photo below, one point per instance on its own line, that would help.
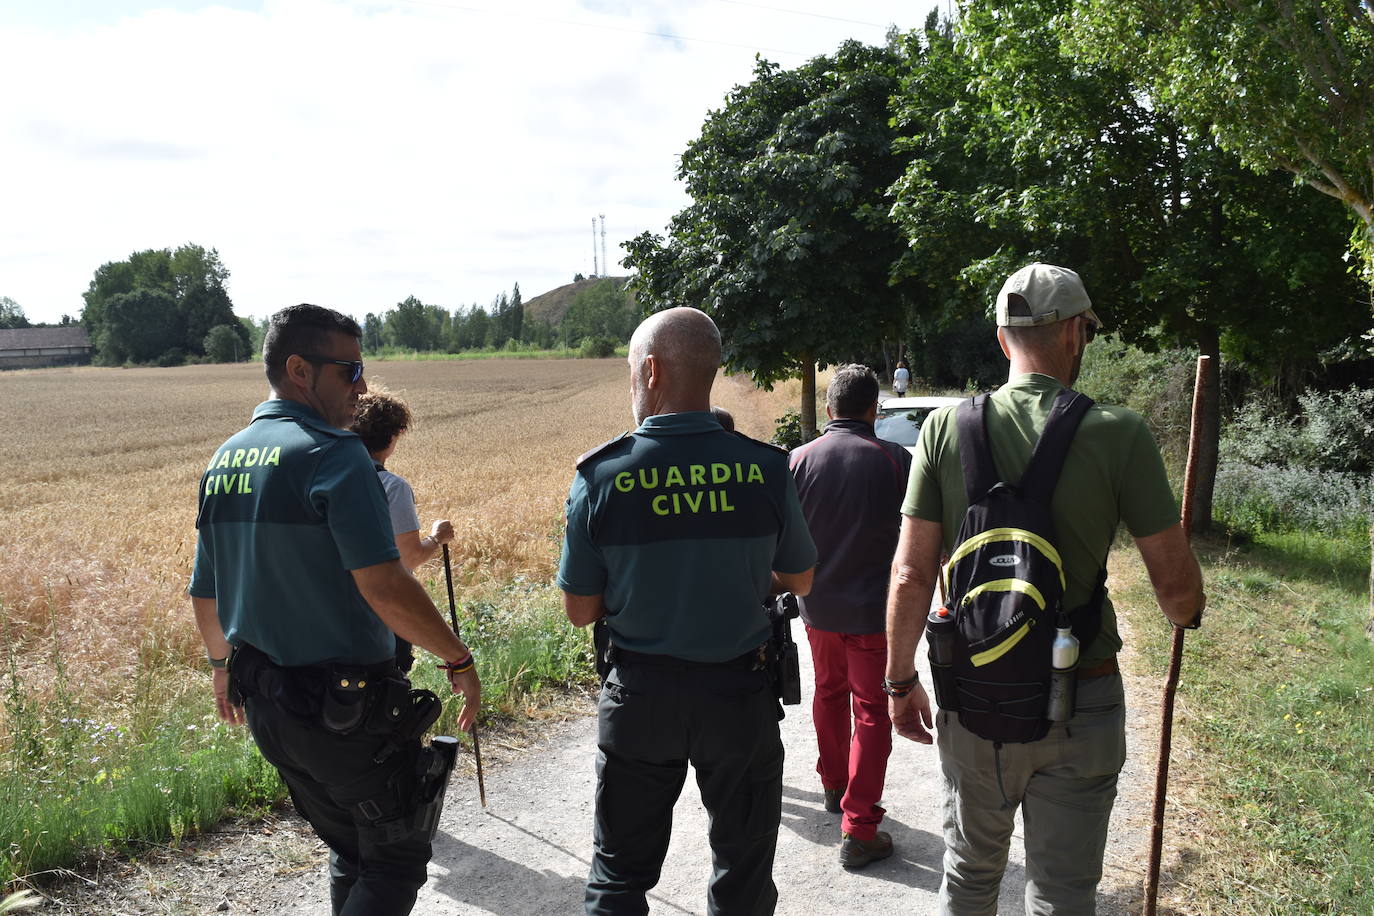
(98, 494)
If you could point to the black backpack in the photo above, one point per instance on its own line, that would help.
(1005, 583)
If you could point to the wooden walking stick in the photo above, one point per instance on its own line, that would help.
(1166, 726)
(453, 622)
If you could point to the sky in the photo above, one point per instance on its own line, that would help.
(352, 153)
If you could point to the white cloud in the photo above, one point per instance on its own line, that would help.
(354, 153)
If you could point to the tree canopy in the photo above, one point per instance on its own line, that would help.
(787, 243)
(159, 305)
(1285, 84)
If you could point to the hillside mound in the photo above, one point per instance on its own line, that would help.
(554, 304)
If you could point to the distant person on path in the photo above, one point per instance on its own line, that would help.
(297, 573)
(1065, 783)
(380, 419)
(901, 378)
(851, 485)
(676, 533)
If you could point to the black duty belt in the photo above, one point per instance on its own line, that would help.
(753, 659)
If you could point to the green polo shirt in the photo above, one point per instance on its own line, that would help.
(1113, 474)
(679, 526)
(287, 507)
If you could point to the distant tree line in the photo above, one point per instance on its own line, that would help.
(167, 307)
(602, 312)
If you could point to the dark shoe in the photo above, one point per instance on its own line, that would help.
(856, 853)
(832, 800)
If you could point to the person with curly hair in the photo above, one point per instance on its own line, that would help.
(379, 421)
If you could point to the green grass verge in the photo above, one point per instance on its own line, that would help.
(1276, 702)
(72, 780)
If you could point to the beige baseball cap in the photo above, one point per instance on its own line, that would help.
(1042, 294)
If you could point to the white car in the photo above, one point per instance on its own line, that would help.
(899, 419)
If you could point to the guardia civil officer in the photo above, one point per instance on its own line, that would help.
(1065, 783)
(297, 573)
(675, 534)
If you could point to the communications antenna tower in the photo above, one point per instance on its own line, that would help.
(594, 271)
(605, 264)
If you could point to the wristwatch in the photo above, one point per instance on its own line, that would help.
(217, 662)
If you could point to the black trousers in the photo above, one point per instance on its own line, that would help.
(653, 720)
(350, 801)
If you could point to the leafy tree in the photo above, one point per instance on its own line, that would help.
(1174, 237)
(222, 345)
(1285, 84)
(191, 276)
(11, 314)
(517, 314)
(787, 243)
(139, 327)
(409, 326)
(603, 309)
(257, 330)
(372, 333)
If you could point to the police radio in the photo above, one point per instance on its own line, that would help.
(783, 661)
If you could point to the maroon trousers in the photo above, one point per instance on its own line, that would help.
(849, 682)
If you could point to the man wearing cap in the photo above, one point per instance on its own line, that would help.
(1065, 783)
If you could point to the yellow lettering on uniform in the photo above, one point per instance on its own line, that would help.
(223, 459)
(720, 473)
(274, 456)
(755, 474)
(660, 504)
(693, 504)
(648, 482)
(238, 458)
(624, 481)
(209, 486)
(245, 485)
(725, 501)
(228, 482)
(674, 477)
(211, 465)
(677, 505)
(252, 458)
(698, 474)
(739, 472)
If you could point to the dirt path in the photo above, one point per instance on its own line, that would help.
(527, 852)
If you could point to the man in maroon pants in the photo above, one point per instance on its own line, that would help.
(851, 485)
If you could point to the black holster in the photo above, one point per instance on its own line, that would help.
(784, 662)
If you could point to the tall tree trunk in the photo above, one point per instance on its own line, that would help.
(1209, 439)
(808, 397)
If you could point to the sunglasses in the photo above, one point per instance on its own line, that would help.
(1092, 328)
(355, 366)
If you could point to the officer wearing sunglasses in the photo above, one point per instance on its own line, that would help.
(297, 573)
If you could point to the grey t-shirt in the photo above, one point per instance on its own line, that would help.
(400, 499)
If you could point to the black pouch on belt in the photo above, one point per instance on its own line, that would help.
(348, 697)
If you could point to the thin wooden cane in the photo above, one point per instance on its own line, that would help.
(1166, 727)
(453, 622)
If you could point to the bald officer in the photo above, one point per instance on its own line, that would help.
(676, 532)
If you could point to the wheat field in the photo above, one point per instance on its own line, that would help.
(100, 471)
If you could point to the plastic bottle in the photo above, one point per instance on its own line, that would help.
(940, 638)
(1063, 675)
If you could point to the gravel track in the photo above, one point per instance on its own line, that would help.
(527, 852)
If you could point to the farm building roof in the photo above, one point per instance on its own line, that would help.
(35, 338)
